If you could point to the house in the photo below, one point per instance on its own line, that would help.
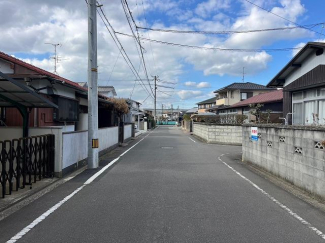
(194, 110)
(135, 113)
(303, 83)
(237, 92)
(108, 91)
(272, 101)
(61, 102)
(205, 105)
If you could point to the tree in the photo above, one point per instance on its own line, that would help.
(121, 107)
(255, 110)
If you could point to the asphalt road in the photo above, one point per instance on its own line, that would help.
(169, 188)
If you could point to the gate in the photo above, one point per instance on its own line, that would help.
(25, 161)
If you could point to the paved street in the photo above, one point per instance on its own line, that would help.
(170, 188)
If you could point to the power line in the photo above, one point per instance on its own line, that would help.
(216, 48)
(120, 47)
(270, 11)
(227, 32)
(146, 22)
(143, 60)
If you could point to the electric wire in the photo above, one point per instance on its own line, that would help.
(143, 60)
(270, 11)
(227, 32)
(216, 48)
(121, 48)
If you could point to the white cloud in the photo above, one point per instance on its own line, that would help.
(190, 84)
(203, 85)
(66, 22)
(187, 94)
(204, 9)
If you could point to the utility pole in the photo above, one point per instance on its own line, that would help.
(162, 111)
(155, 97)
(172, 112)
(243, 74)
(93, 143)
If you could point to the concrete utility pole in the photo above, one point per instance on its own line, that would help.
(155, 97)
(92, 87)
(162, 111)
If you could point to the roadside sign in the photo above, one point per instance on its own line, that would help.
(254, 134)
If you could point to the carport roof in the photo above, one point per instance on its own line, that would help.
(13, 93)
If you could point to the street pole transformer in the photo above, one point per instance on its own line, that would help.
(92, 87)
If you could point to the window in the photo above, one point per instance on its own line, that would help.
(297, 113)
(308, 106)
(243, 96)
(232, 94)
(297, 96)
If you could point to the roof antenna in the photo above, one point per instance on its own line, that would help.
(243, 75)
(55, 57)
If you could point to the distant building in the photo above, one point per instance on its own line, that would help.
(108, 91)
(236, 92)
(205, 105)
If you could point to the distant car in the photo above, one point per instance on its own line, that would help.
(135, 126)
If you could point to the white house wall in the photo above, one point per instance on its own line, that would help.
(5, 67)
(309, 64)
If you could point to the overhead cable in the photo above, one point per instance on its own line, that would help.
(228, 32)
(120, 47)
(125, 4)
(216, 48)
(269, 11)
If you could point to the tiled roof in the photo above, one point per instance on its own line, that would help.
(243, 86)
(193, 110)
(208, 101)
(262, 98)
(43, 72)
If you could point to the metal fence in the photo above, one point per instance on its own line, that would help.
(25, 161)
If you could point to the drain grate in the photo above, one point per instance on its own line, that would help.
(167, 147)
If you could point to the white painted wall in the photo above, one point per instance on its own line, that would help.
(107, 137)
(309, 64)
(74, 148)
(127, 131)
(75, 144)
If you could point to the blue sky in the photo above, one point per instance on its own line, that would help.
(197, 72)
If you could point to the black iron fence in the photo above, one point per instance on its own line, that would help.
(25, 161)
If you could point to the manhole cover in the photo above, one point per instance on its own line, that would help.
(167, 147)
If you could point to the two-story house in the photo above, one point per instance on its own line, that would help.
(236, 92)
(205, 105)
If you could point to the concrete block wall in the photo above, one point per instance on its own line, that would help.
(221, 134)
(292, 153)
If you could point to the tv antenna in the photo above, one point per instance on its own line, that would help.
(55, 57)
(243, 75)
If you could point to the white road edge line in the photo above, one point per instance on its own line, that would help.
(192, 140)
(288, 210)
(25, 230)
